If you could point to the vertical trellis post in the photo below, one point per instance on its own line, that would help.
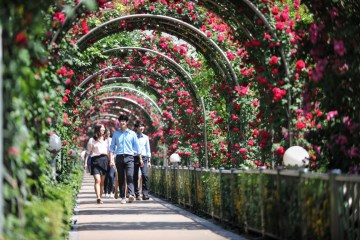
(1, 140)
(165, 156)
(205, 134)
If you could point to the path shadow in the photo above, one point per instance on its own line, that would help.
(140, 226)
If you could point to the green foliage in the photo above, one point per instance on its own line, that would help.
(65, 193)
(49, 223)
(31, 112)
(42, 222)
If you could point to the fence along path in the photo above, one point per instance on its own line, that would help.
(152, 219)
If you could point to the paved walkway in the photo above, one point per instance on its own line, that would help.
(152, 219)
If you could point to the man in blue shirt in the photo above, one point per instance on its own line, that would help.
(124, 145)
(145, 154)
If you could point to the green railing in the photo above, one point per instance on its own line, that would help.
(284, 204)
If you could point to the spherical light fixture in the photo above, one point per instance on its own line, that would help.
(296, 156)
(175, 158)
(54, 143)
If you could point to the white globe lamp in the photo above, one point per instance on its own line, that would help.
(54, 143)
(296, 156)
(175, 158)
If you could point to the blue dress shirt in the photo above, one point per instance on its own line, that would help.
(144, 145)
(124, 142)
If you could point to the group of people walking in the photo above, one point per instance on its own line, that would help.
(117, 160)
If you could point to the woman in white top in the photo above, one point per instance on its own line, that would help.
(98, 149)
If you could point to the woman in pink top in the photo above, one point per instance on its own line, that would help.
(98, 149)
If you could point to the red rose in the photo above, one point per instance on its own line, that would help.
(21, 39)
(299, 65)
(300, 125)
(273, 60)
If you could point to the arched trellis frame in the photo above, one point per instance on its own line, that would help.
(114, 111)
(136, 92)
(153, 74)
(164, 60)
(123, 70)
(137, 70)
(120, 80)
(287, 92)
(229, 11)
(128, 101)
(212, 52)
(214, 55)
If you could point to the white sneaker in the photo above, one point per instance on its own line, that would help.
(131, 198)
(123, 201)
(111, 195)
(106, 195)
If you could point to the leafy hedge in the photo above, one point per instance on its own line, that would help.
(31, 113)
(47, 217)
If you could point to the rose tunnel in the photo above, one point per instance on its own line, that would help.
(213, 85)
(229, 85)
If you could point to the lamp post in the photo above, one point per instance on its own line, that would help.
(54, 148)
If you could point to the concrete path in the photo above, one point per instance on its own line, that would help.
(143, 220)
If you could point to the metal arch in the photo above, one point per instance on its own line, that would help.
(68, 23)
(155, 75)
(78, 10)
(147, 117)
(149, 104)
(146, 50)
(116, 108)
(94, 35)
(88, 113)
(228, 13)
(110, 116)
(136, 70)
(130, 101)
(137, 109)
(125, 80)
(104, 70)
(102, 89)
(174, 65)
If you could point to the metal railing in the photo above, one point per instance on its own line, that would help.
(282, 204)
